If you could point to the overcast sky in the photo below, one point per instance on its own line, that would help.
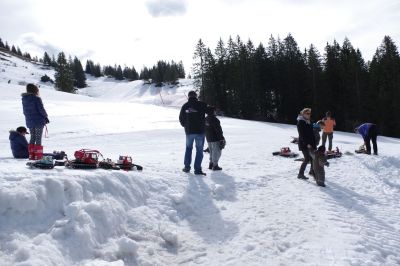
(140, 32)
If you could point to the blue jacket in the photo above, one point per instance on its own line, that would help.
(35, 114)
(363, 130)
(19, 145)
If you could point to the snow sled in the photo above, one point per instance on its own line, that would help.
(85, 159)
(125, 163)
(45, 163)
(333, 154)
(108, 164)
(285, 152)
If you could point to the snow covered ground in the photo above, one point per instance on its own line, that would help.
(254, 212)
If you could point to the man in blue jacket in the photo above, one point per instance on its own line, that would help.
(19, 144)
(192, 118)
(369, 132)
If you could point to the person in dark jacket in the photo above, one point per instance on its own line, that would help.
(18, 143)
(36, 118)
(192, 118)
(369, 132)
(306, 140)
(215, 138)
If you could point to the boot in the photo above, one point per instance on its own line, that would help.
(216, 168)
(210, 165)
(301, 176)
(31, 151)
(38, 152)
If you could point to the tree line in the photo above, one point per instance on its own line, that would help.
(71, 75)
(273, 82)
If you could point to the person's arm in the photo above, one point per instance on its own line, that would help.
(40, 108)
(218, 129)
(182, 116)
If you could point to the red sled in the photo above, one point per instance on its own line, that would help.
(285, 152)
(125, 163)
(85, 159)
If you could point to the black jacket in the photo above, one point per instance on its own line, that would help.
(213, 129)
(192, 116)
(306, 134)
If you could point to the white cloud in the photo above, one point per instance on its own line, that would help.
(160, 8)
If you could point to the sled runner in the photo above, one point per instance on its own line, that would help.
(285, 152)
(45, 163)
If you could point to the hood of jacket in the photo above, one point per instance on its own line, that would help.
(301, 117)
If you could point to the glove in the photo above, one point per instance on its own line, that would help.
(222, 144)
(327, 164)
(47, 120)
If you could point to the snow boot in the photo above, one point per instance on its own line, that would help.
(186, 169)
(301, 176)
(210, 165)
(216, 168)
(320, 184)
(199, 173)
(38, 152)
(31, 151)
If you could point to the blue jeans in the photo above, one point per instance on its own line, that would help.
(199, 139)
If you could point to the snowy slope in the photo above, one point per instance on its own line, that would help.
(254, 212)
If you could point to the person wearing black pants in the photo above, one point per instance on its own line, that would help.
(306, 140)
(369, 132)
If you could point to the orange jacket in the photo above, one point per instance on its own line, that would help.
(330, 123)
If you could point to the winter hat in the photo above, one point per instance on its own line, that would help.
(210, 110)
(305, 110)
(192, 94)
(22, 130)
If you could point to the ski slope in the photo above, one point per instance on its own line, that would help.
(254, 212)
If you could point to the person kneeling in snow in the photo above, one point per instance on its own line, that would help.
(215, 138)
(19, 144)
(319, 161)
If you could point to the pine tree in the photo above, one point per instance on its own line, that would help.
(1, 44)
(13, 50)
(46, 59)
(79, 74)
(385, 84)
(19, 51)
(64, 77)
(118, 73)
(7, 47)
(199, 67)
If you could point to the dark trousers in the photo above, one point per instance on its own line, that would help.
(371, 136)
(330, 137)
(307, 159)
(36, 135)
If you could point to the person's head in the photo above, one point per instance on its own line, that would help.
(22, 130)
(32, 88)
(321, 124)
(328, 114)
(210, 110)
(306, 113)
(192, 94)
(321, 149)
